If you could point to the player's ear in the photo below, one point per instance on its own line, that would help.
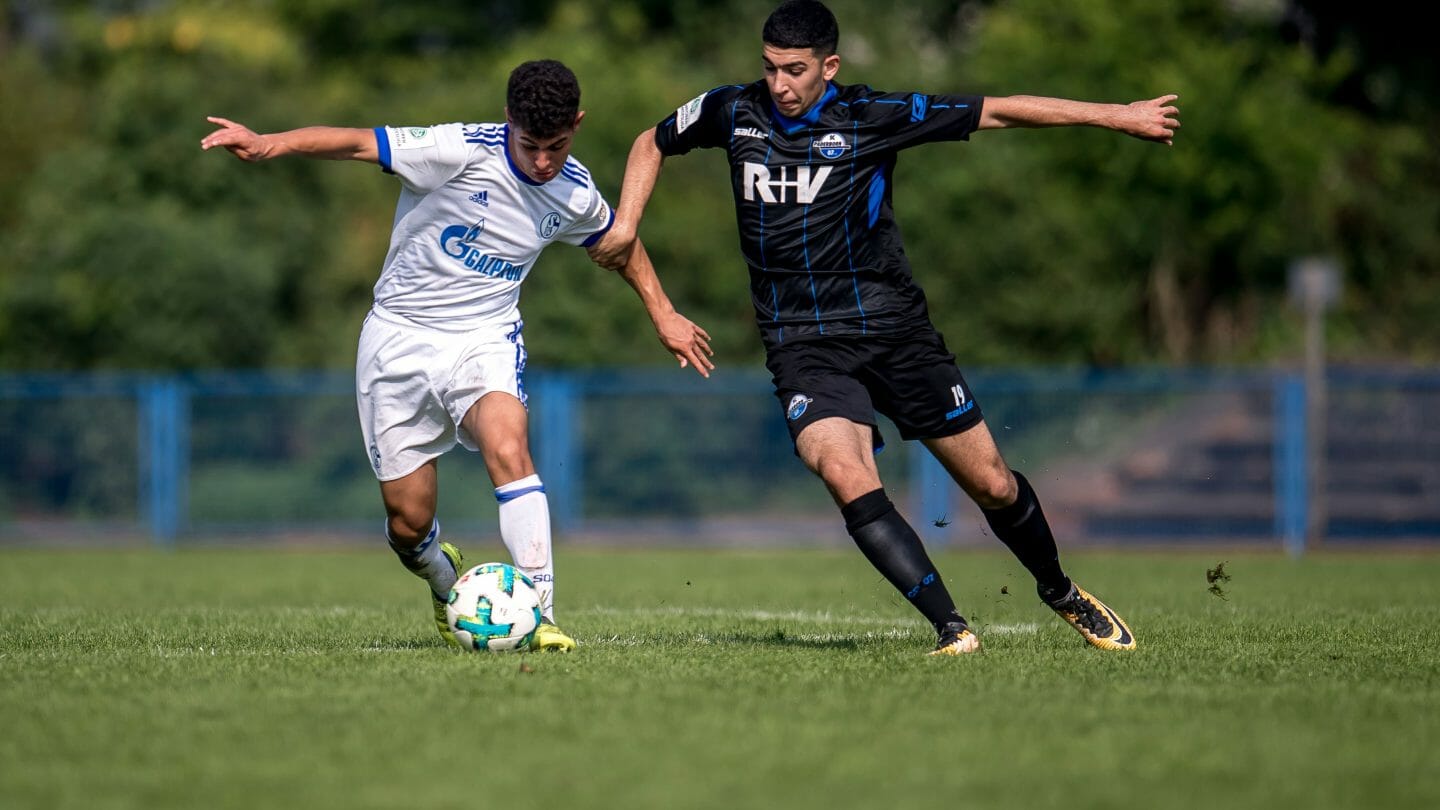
(830, 66)
(579, 116)
(508, 120)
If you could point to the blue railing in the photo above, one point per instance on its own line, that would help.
(622, 450)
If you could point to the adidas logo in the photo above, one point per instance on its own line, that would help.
(482, 197)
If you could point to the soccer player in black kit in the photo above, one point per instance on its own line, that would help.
(845, 328)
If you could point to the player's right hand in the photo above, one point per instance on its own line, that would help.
(687, 341)
(240, 140)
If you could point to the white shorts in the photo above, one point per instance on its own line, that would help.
(413, 386)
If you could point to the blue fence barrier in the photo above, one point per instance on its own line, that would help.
(660, 457)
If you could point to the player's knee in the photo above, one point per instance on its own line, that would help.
(995, 490)
(841, 473)
(509, 458)
(410, 525)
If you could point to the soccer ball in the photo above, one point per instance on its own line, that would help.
(493, 607)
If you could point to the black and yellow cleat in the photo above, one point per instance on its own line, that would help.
(550, 638)
(1094, 620)
(956, 639)
(458, 560)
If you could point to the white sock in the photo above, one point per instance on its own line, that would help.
(525, 529)
(426, 561)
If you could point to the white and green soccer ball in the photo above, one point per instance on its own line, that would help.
(493, 607)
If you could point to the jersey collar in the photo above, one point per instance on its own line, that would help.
(790, 126)
(522, 176)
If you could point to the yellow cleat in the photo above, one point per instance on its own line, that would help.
(956, 639)
(550, 638)
(441, 623)
(1094, 620)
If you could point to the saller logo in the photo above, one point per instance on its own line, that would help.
(806, 181)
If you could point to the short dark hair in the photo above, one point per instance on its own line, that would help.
(543, 98)
(803, 24)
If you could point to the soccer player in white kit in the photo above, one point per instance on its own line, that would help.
(442, 354)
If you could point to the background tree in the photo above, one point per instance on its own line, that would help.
(1305, 130)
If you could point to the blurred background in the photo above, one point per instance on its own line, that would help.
(1233, 340)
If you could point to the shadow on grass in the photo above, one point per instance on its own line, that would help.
(780, 638)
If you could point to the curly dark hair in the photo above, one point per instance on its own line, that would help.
(803, 24)
(543, 98)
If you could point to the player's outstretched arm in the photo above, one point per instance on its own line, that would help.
(328, 143)
(642, 170)
(688, 342)
(1153, 120)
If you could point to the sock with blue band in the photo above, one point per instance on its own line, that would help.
(525, 530)
(892, 546)
(426, 561)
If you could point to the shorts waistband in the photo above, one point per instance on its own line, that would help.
(509, 331)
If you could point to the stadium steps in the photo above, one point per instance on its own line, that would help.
(1206, 472)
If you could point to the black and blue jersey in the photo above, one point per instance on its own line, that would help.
(812, 201)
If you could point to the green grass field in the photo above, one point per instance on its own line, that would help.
(262, 679)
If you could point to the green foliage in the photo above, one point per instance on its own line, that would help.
(123, 245)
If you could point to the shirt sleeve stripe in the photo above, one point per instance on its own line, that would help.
(382, 144)
(595, 237)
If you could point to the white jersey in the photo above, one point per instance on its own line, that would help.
(469, 224)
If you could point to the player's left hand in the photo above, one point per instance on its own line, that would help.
(687, 341)
(1154, 120)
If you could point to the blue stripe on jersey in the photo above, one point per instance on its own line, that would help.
(595, 237)
(382, 145)
(579, 181)
(918, 103)
(775, 304)
(805, 248)
(849, 254)
(486, 141)
(774, 297)
(574, 165)
(763, 264)
(877, 195)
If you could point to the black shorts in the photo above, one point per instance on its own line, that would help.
(912, 380)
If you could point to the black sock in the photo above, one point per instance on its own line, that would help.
(1022, 527)
(890, 545)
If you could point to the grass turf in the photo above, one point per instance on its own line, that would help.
(248, 678)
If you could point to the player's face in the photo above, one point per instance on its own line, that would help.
(797, 77)
(542, 158)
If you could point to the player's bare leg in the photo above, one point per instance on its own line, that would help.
(499, 424)
(414, 535)
(1013, 511)
(840, 452)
